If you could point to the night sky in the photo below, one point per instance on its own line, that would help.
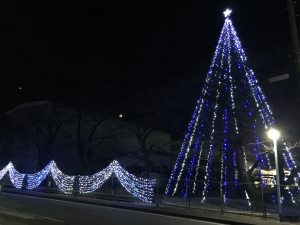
(64, 50)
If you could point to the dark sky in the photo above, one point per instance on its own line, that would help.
(61, 50)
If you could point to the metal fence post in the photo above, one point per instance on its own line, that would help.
(112, 186)
(7, 178)
(186, 199)
(112, 183)
(221, 198)
(133, 193)
(48, 178)
(263, 201)
(77, 189)
(157, 192)
(189, 193)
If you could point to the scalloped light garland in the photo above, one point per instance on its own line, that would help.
(16, 178)
(141, 188)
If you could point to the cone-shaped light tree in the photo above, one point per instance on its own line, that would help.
(227, 116)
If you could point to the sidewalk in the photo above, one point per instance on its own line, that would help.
(151, 208)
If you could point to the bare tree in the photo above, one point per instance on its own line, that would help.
(150, 110)
(45, 130)
(246, 176)
(7, 139)
(145, 149)
(91, 134)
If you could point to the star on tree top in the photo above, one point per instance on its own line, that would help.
(227, 12)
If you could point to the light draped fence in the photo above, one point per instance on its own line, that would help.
(15, 177)
(114, 183)
(64, 182)
(140, 188)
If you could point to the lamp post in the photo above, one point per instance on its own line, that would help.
(274, 135)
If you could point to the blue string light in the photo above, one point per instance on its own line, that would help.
(228, 77)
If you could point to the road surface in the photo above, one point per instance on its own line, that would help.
(34, 210)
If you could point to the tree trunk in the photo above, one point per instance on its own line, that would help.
(89, 157)
(39, 165)
(79, 146)
(87, 165)
(253, 192)
(231, 191)
(256, 201)
(146, 170)
(87, 169)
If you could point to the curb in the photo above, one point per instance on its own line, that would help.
(153, 211)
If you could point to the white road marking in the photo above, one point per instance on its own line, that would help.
(29, 215)
(118, 217)
(69, 202)
(16, 214)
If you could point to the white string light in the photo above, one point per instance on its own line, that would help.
(210, 153)
(258, 96)
(197, 167)
(183, 147)
(141, 188)
(290, 165)
(91, 183)
(227, 77)
(34, 180)
(264, 108)
(200, 135)
(64, 182)
(248, 199)
(4, 171)
(15, 177)
(196, 118)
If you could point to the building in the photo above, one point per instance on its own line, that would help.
(80, 142)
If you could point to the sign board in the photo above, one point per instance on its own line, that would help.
(278, 78)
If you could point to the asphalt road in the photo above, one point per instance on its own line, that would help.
(33, 210)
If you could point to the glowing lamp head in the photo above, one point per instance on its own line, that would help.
(227, 12)
(273, 134)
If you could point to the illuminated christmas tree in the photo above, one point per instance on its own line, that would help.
(229, 99)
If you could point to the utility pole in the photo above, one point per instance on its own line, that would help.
(295, 41)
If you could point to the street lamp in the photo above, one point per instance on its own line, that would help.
(274, 135)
